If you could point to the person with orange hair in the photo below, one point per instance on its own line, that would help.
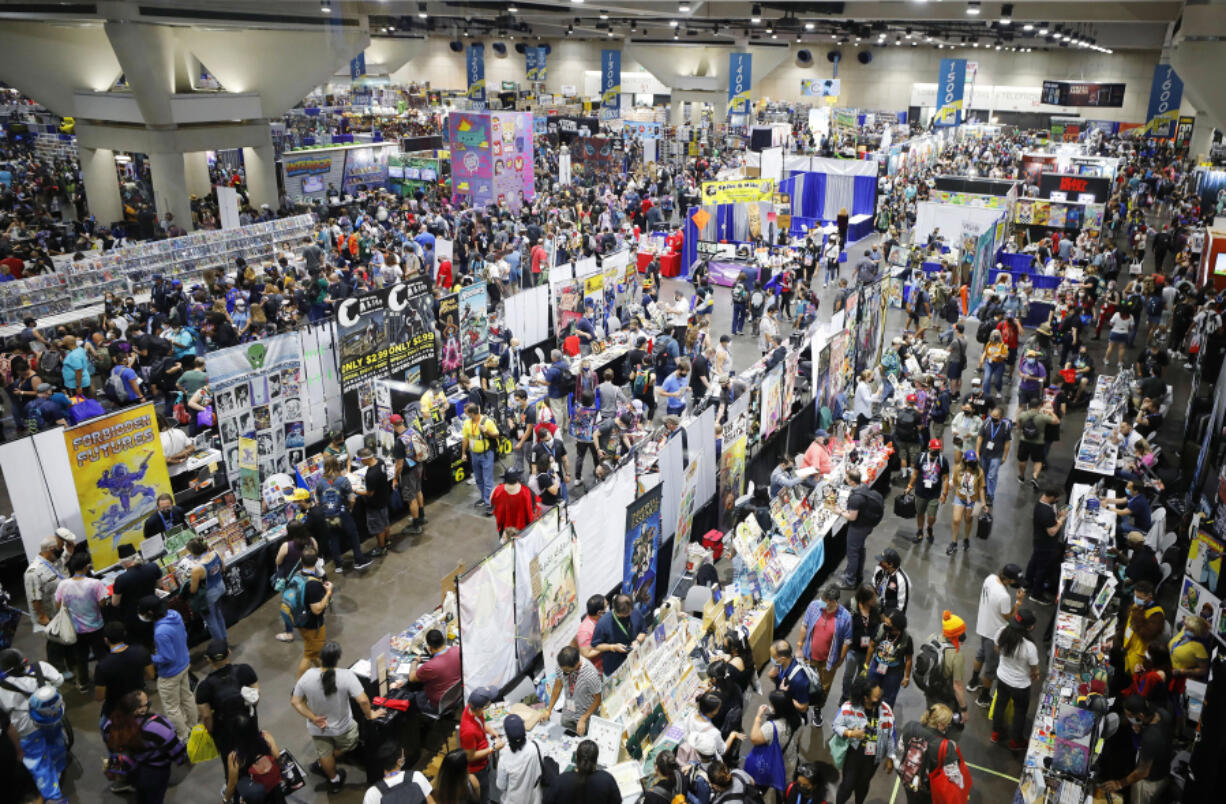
(947, 683)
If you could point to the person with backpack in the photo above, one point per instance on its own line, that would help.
(642, 387)
(35, 719)
(45, 411)
(409, 454)
(149, 744)
(907, 433)
(304, 600)
(731, 785)
(757, 306)
(956, 363)
(1032, 425)
(940, 669)
(825, 635)
(560, 382)
(253, 769)
(521, 766)
(334, 494)
(926, 748)
(123, 385)
(397, 784)
(865, 509)
(740, 303)
(866, 722)
(228, 692)
(668, 783)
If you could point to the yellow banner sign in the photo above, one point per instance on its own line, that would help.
(118, 471)
(737, 190)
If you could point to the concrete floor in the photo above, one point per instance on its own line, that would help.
(406, 583)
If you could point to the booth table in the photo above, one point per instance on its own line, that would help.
(858, 228)
(670, 264)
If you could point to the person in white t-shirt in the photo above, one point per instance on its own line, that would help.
(390, 757)
(1017, 671)
(997, 605)
(177, 447)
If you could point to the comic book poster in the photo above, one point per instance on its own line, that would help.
(474, 325)
(568, 301)
(731, 477)
(685, 510)
(593, 294)
(451, 360)
(118, 471)
(642, 549)
(772, 400)
(420, 360)
(557, 598)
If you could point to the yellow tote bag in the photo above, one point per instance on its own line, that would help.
(200, 745)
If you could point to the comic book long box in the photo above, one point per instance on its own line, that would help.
(118, 471)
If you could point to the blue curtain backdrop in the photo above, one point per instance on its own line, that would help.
(808, 191)
(865, 196)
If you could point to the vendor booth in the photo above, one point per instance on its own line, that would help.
(829, 187)
(317, 174)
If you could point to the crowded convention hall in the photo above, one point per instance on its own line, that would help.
(599, 403)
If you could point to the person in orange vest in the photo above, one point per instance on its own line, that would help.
(353, 244)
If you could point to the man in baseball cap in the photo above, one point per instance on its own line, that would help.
(1000, 598)
(475, 734)
(892, 584)
(219, 696)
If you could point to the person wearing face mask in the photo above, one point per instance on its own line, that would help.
(930, 484)
(1135, 513)
(620, 629)
(825, 635)
(1190, 652)
(1141, 626)
(997, 606)
(891, 655)
(969, 487)
(41, 578)
(1155, 748)
(866, 721)
(992, 446)
(1018, 669)
(581, 683)
(549, 457)
(807, 787)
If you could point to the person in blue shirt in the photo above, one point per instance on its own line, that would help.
(674, 387)
(1136, 513)
(46, 410)
(131, 382)
(76, 367)
(584, 327)
(617, 631)
(558, 392)
(788, 675)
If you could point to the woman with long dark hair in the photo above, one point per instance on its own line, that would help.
(149, 743)
(777, 721)
(586, 782)
(866, 722)
(702, 733)
(1018, 669)
(207, 571)
(865, 621)
(740, 659)
(454, 784)
(254, 759)
(667, 782)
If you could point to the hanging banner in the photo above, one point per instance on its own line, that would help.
(642, 549)
(542, 59)
(643, 130)
(557, 600)
(740, 79)
(357, 66)
(610, 84)
(821, 87)
(737, 190)
(843, 119)
(474, 324)
(1183, 133)
(420, 360)
(530, 61)
(1082, 93)
(118, 471)
(951, 82)
(1165, 95)
(475, 65)
(450, 359)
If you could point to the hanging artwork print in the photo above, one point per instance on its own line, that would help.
(451, 358)
(642, 549)
(474, 324)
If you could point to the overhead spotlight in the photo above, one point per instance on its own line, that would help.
(1043, 29)
(809, 26)
(1066, 37)
(675, 37)
(972, 9)
(1006, 14)
(421, 11)
(770, 29)
(325, 6)
(684, 8)
(570, 29)
(577, 2)
(610, 34)
(514, 9)
(673, 23)
(755, 15)
(774, 36)
(604, 15)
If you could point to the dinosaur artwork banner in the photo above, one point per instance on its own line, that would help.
(118, 471)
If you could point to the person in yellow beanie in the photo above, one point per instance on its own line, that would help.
(940, 667)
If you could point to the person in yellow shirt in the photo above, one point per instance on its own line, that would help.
(480, 434)
(1189, 655)
(432, 399)
(1142, 625)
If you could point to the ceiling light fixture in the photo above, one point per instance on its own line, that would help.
(756, 14)
(809, 26)
(514, 9)
(972, 10)
(604, 15)
(1006, 14)
(673, 23)
(684, 8)
(325, 6)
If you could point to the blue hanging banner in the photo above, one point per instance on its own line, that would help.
(357, 66)
(951, 83)
(1165, 95)
(532, 62)
(610, 84)
(740, 79)
(542, 68)
(475, 65)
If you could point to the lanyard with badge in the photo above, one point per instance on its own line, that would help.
(993, 428)
(52, 567)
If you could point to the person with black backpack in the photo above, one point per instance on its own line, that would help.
(907, 434)
(729, 785)
(865, 508)
(397, 785)
(925, 748)
(940, 669)
(227, 692)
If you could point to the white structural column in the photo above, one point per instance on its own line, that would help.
(170, 187)
(196, 165)
(260, 165)
(101, 185)
(1198, 56)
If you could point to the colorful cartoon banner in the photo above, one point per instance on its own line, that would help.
(643, 130)
(531, 62)
(451, 358)
(642, 549)
(740, 80)
(737, 190)
(474, 61)
(951, 82)
(118, 471)
(306, 165)
(610, 84)
(552, 571)
(1165, 95)
(474, 324)
(593, 150)
(821, 87)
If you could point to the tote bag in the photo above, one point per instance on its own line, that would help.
(765, 764)
(950, 782)
(61, 628)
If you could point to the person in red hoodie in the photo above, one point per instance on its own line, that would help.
(514, 504)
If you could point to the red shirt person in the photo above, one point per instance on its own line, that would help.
(514, 504)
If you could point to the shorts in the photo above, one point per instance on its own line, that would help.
(961, 503)
(340, 744)
(987, 655)
(1118, 337)
(953, 370)
(908, 451)
(922, 504)
(313, 642)
(1027, 451)
(376, 520)
(410, 483)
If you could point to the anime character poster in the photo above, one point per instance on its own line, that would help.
(593, 294)
(685, 510)
(1205, 560)
(474, 324)
(472, 165)
(1196, 599)
(642, 549)
(731, 477)
(118, 471)
(451, 360)
(772, 400)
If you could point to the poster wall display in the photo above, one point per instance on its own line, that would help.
(491, 157)
(557, 600)
(451, 359)
(118, 472)
(642, 549)
(685, 512)
(731, 477)
(474, 324)
(643, 130)
(365, 167)
(772, 400)
(568, 301)
(593, 150)
(258, 393)
(821, 87)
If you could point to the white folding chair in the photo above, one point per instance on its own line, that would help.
(696, 599)
(1157, 530)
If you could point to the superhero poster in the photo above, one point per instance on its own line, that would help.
(642, 549)
(118, 471)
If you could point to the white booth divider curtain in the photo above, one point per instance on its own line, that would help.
(840, 195)
(952, 219)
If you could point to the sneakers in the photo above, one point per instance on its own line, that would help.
(983, 701)
(378, 551)
(931, 538)
(1034, 481)
(334, 786)
(973, 685)
(339, 569)
(1021, 481)
(996, 737)
(414, 530)
(953, 548)
(119, 788)
(317, 768)
(919, 535)
(966, 545)
(472, 481)
(363, 564)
